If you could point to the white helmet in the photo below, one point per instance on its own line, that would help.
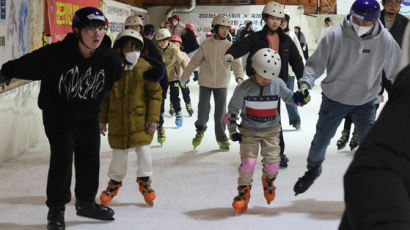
(274, 9)
(130, 33)
(266, 62)
(162, 34)
(221, 20)
(133, 21)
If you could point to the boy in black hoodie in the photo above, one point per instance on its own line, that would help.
(271, 36)
(75, 74)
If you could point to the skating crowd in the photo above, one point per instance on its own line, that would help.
(119, 87)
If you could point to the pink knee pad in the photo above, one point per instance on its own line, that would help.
(248, 165)
(272, 168)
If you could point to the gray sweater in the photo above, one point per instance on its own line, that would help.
(258, 104)
(354, 65)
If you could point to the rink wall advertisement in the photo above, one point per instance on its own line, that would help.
(14, 29)
(59, 16)
(202, 16)
(117, 12)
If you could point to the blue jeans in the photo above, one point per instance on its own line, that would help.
(293, 113)
(331, 115)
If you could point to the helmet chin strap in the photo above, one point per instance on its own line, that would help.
(219, 36)
(392, 13)
(82, 42)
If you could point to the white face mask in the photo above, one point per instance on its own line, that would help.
(360, 30)
(175, 22)
(132, 57)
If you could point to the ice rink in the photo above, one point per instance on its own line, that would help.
(194, 188)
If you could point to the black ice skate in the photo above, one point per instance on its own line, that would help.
(341, 143)
(189, 109)
(307, 180)
(55, 218)
(353, 142)
(283, 161)
(171, 110)
(94, 210)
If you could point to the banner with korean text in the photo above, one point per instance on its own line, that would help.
(59, 15)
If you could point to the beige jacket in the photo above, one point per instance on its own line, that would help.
(173, 60)
(214, 70)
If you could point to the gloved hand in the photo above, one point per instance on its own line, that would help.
(228, 58)
(239, 80)
(235, 136)
(301, 97)
(196, 75)
(3, 79)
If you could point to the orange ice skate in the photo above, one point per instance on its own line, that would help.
(240, 202)
(108, 194)
(145, 189)
(268, 188)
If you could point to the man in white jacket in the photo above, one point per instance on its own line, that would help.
(214, 77)
(354, 54)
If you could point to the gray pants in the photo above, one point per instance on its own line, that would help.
(204, 107)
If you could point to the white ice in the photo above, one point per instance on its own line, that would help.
(194, 188)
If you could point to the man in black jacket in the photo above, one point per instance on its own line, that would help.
(75, 74)
(395, 23)
(271, 36)
(377, 183)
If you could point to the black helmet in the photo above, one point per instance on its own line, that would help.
(84, 16)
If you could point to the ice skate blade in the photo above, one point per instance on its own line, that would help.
(239, 211)
(112, 218)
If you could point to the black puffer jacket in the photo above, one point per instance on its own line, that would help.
(397, 30)
(189, 42)
(288, 52)
(72, 87)
(377, 183)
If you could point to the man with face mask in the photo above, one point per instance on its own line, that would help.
(354, 54)
(377, 182)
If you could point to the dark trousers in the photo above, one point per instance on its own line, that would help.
(67, 137)
(174, 95)
(281, 140)
(164, 86)
(186, 93)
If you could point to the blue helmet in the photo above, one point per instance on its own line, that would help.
(149, 29)
(367, 10)
(85, 15)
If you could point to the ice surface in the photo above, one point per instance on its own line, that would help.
(194, 188)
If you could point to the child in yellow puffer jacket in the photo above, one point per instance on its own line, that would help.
(132, 110)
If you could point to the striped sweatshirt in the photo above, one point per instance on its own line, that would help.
(258, 104)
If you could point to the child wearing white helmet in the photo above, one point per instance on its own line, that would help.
(271, 36)
(256, 101)
(131, 110)
(214, 77)
(171, 56)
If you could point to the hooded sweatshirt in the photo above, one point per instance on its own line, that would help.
(354, 65)
(72, 87)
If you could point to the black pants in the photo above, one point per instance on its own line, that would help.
(65, 137)
(174, 95)
(281, 140)
(186, 93)
(164, 86)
